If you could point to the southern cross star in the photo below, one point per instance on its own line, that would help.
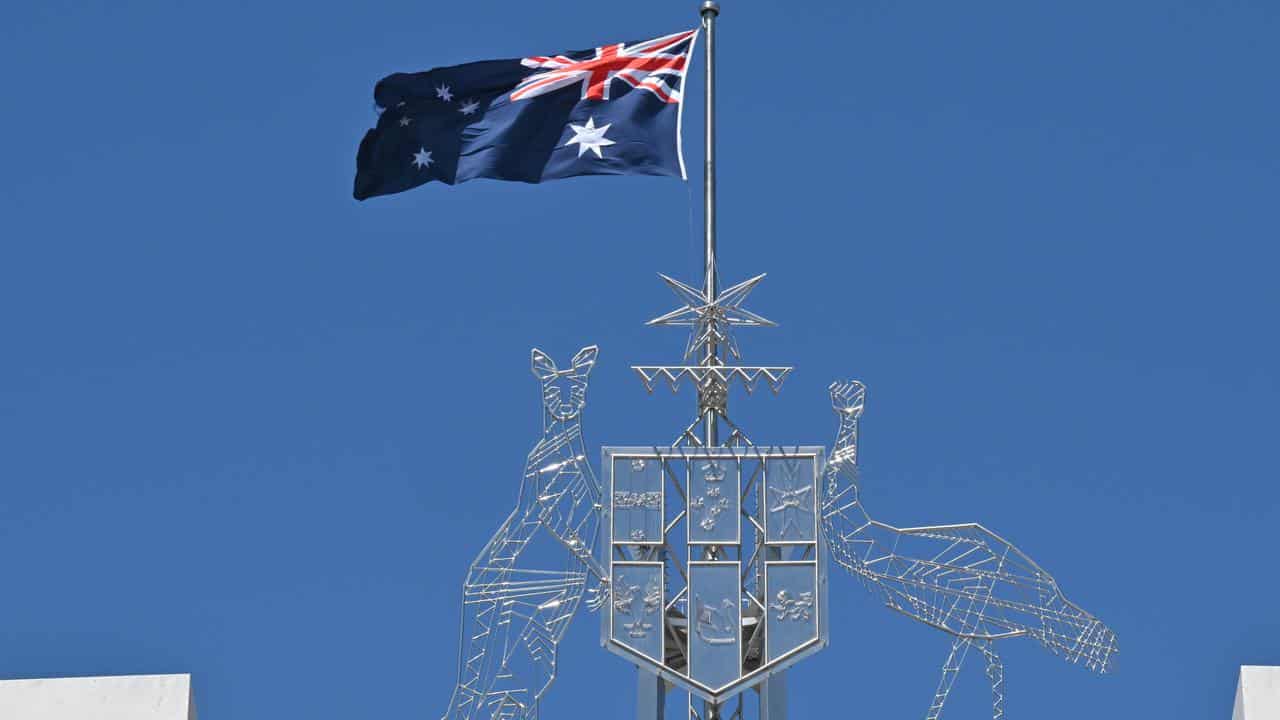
(404, 121)
(443, 92)
(469, 107)
(422, 158)
(712, 319)
(589, 137)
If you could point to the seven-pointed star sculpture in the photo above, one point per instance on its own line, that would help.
(589, 137)
(712, 319)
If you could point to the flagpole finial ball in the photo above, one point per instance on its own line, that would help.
(710, 6)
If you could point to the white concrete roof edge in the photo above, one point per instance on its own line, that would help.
(1257, 693)
(102, 697)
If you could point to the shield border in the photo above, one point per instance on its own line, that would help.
(761, 452)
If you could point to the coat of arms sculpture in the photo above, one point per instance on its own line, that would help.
(707, 554)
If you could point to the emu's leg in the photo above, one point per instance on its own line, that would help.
(995, 673)
(949, 671)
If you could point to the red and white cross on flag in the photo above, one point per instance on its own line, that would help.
(656, 66)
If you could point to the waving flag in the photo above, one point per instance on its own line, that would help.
(613, 110)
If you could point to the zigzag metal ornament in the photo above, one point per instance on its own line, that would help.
(749, 377)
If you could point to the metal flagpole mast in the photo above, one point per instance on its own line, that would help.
(710, 9)
(700, 625)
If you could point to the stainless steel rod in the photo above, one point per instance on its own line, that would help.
(709, 11)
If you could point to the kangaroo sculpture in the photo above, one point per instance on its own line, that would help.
(963, 580)
(517, 601)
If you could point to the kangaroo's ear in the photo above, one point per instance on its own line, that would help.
(544, 368)
(585, 360)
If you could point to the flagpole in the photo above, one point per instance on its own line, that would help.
(710, 404)
(709, 11)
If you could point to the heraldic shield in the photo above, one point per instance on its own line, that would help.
(716, 563)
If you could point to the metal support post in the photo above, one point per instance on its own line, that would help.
(651, 696)
(773, 697)
(710, 10)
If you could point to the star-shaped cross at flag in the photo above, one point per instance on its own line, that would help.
(712, 319)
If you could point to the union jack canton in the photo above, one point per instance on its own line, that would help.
(611, 110)
(656, 66)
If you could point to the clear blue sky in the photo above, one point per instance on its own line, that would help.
(254, 430)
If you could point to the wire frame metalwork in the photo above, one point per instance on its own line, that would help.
(517, 606)
(779, 598)
(963, 580)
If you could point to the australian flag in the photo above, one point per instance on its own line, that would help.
(613, 110)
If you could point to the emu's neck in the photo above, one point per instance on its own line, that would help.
(843, 494)
(845, 450)
(844, 518)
